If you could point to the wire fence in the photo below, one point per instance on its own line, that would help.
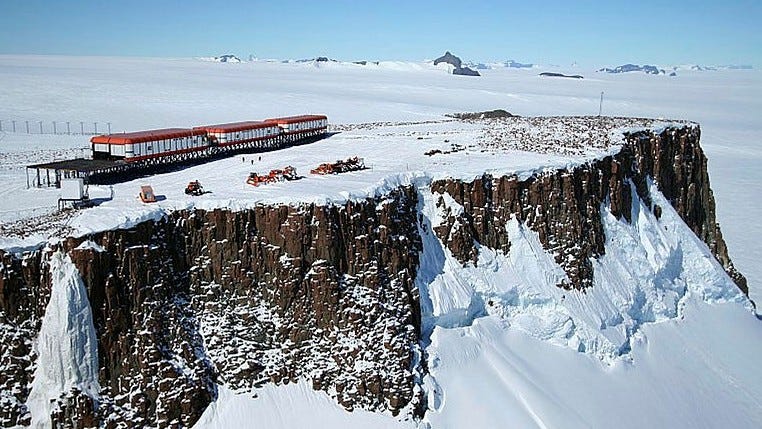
(24, 126)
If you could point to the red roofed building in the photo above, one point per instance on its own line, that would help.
(240, 132)
(147, 144)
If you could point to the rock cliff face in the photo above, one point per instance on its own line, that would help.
(273, 294)
(563, 207)
(326, 294)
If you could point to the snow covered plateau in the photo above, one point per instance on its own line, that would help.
(439, 307)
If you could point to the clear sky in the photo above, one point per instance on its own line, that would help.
(547, 31)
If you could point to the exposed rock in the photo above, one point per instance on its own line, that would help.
(228, 58)
(563, 207)
(465, 71)
(449, 59)
(325, 294)
(487, 114)
(273, 294)
(627, 68)
(552, 74)
(458, 69)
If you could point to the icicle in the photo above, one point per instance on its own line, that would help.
(67, 349)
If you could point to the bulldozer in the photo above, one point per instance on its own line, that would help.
(194, 188)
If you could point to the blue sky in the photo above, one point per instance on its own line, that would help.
(548, 31)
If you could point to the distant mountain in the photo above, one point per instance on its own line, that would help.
(627, 68)
(697, 67)
(227, 58)
(458, 69)
(517, 65)
(737, 67)
(317, 60)
(570, 76)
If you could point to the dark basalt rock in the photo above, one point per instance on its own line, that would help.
(455, 62)
(269, 295)
(465, 71)
(563, 207)
(553, 74)
(326, 294)
(449, 59)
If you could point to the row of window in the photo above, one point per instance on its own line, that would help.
(166, 145)
(246, 134)
(308, 125)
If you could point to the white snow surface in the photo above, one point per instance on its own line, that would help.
(289, 406)
(663, 339)
(66, 347)
(650, 339)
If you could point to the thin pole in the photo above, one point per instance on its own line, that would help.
(95, 127)
(27, 126)
(14, 126)
(81, 127)
(68, 129)
(600, 106)
(1, 125)
(54, 128)
(40, 127)
(109, 127)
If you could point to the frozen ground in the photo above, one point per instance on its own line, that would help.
(674, 347)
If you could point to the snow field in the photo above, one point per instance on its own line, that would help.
(493, 328)
(663, 339)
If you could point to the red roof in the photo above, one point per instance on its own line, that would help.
(235, 126)
(146, 136)
(295, 119)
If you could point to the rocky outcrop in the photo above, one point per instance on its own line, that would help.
(271, 295)
(563, 206)
(458, 68)
(627, 68)
(449, 59)
(568, 76)
(326, 294)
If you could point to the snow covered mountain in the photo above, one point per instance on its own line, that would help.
(529, 271)
(628, 68)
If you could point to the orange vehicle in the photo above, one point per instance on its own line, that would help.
(194, 188)
(276, 175)
(146, 194)
(340, 166)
